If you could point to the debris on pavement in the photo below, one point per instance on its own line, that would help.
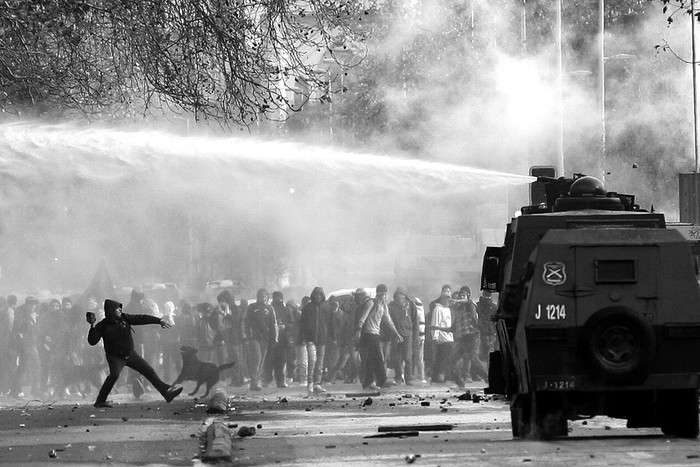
(218, 403)
(246, 431)
(363, 394)
(437, 427)
(395, 434)
(367, 401)
(218, 442)
(467, 396)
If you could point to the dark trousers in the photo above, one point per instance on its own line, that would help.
(28, 367)
(256, 356)
(465, 353)
(8, 366)
(403, 353)
(136, 363)
(347, 363)
(275, 361)
(374, 369)
(441, 356)
(237, 354)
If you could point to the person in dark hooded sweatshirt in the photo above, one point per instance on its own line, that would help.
(115, 330)
(261, 332)
(402, 311)
(314, 329)
(278, 354)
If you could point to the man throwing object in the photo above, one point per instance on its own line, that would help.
(116, 332)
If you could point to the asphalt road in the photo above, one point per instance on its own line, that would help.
(293, 428)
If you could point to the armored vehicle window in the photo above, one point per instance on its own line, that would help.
(615, 271)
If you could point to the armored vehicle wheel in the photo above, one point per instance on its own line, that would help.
(520, 416)
(538, 416)
(679, 412)
(550, 419)
(620, 346)
(496, 374)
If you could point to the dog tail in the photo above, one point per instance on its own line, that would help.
(226, 366)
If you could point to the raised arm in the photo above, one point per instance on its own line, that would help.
(94, 334)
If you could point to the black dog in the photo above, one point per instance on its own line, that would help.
(194, 369)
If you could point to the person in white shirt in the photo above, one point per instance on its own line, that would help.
(440, 329)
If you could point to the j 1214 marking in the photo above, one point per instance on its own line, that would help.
(551, 312)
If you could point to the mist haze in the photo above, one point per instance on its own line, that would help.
(467, 106)
(160, 207)
(477, 83)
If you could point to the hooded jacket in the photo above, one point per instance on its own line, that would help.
(117, 334)
(404, 317)
(485, 308)
(315, 324)
(284, 318)
(260, 323)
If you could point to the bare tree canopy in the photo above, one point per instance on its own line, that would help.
(228, 60)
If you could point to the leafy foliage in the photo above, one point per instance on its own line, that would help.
(229, 60)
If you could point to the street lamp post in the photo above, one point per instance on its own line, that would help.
(560, 92)
(601, 81)
(695, 93)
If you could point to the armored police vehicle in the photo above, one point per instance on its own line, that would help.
(598, 314)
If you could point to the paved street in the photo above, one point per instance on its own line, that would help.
(296, 429)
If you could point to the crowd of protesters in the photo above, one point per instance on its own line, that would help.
(367, 338)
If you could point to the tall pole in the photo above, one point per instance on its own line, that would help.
(523, 52)
(560, 97)
(601, 81)
(696, 195)
(523, 28)
(695, 93)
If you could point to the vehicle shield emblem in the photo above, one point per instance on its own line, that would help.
(554, 273)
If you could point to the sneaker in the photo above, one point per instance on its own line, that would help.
(371, 387)
(423, 381)
(387, 384)
(102, 405)
(318, 389)
(172, 393)
(282, 385)
(310, 388)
